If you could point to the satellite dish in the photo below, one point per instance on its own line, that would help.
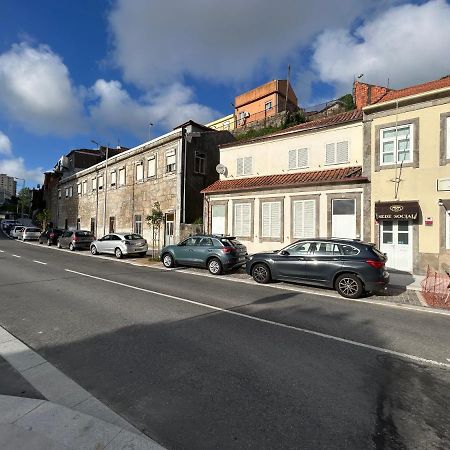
(221, 169)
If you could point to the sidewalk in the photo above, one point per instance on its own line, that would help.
(42, 409)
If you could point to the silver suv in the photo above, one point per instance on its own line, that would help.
(120, 244)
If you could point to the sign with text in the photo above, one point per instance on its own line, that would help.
(397, 210)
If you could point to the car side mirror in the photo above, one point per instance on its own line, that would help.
(284, 253)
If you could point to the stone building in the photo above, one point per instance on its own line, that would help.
(117, 194)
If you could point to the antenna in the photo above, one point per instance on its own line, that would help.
(221, 169)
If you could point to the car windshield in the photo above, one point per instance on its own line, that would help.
(83, 234)
(33, 230)
(133, 237)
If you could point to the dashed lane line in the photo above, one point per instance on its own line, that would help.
(407, 356)
(40, 262)
(16, 256)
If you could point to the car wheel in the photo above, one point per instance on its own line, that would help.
(349, 285)
(168, 260)
(49, 242)
(118, 253)
(215, 266)
(94, 250)
(71, 247)
(261, 273)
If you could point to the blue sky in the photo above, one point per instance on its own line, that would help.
(72, 71)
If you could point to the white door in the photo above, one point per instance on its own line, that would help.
(396, 242)
(344, 219)
(168, 238)
(218, 219)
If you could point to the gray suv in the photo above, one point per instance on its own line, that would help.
(349, 266)
(216, 252)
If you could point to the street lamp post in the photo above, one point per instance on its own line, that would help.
(105, 186)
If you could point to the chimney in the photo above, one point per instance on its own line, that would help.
(365, 94)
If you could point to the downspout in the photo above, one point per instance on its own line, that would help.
(184, 146)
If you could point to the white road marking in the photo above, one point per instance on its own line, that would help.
(1, 251)
(417, 359)
(17, 256)
(40, 262)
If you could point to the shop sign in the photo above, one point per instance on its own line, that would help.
(397, 210)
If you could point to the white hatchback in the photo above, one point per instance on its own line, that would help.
(120, 244)
(30, 234)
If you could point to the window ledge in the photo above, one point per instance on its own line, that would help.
(336, 163)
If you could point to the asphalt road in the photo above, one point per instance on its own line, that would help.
(200, 362)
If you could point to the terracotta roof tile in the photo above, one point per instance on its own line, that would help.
(417, 89)
(342, 175)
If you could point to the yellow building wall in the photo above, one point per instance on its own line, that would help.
(224, 123)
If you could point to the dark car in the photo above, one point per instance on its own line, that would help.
(76, 239)
(50, 236)
(351, 267)
(217, 253)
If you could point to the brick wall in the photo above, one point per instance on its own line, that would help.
(365, 94)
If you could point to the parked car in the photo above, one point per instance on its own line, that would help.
(15, 231)
(50, 236)
(120, 244)
(217, 253)
(9, 223)
(30, 233)
(349, 266)
(75, 239)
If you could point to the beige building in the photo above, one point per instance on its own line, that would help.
(227, 123)
(8, 187)
(306, 181)
(117, 194)
(407, 134)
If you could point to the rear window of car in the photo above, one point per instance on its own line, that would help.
(133, 237)
(83, 234)
(33, 230)
(231, 243)
(349, 250)
(377, 252)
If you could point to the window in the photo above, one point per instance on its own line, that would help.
(100, 182)
(122, 177)
(271, 220)
(267, 106)
(327, 249)
(112, 225)
(448, 229)
(242, 219)
(139, 171)
(448, 138)
(199, 163)
(113, 178)
(70, 191)
(84, 187)
(66, 191)
(79, 189)
(94, 184)
(206, 242)
(304, 219)
(78, 223)
(396, 145)
(59, 193)
(138, 224)
(151, 166)
(170, 161)
(298, 158)
(244, 165)
(336, 153)
(92, 225)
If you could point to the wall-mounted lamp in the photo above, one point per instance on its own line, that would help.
(440, 202)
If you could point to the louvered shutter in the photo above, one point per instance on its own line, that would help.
(302, 158)
(266, 220)
(248, 165)
(240, 166)
(292, 159)
(298, 219)
(342, 152)
(246, 219)
(275, 220)
(330, 154)
(309, 214)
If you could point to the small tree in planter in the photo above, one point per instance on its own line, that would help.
(154, 221)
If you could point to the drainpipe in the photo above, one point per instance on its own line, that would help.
(184, 146)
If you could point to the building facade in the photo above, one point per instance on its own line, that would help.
(8, 187)
(117, 194)
(306, 181)
(406, 132)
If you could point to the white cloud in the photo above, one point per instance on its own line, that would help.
(36, 91)
(113, 108)
(5, 145)
(162, 41)
(407, 44)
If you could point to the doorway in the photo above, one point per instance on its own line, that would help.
(344, 219)
(168, 237)
(396, 242)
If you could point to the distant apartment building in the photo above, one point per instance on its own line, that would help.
(227, 123)
(8, 187)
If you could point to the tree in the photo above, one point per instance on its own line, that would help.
(347, 101)
(43, 217)
(154, 221)
(24, 202)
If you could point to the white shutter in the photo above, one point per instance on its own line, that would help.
(342, 152)
(304, 218)
(266, 213)
(140, 172)
(240, 166)
(292, 159)
(275, 220)
(330, 154)
(448, 137)
(121, 177)
(113, 178)
(298, 219)
(94, 184)
(151, 172)
(248, 165)
(246, 219)
(302, 157)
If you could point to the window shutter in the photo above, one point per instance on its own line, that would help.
(275, 220)
(298, 219)
(292, 159)
(240, 166)
(302, 157)
(246, 219)
(248, 165)
(139, 172)
(342, 152)
(309, 219)
(151, 167)
(329, 154)
(448, 137)
(266, 219)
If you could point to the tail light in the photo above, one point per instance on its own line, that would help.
(376, 264)
(75, 238)
(227, 250)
